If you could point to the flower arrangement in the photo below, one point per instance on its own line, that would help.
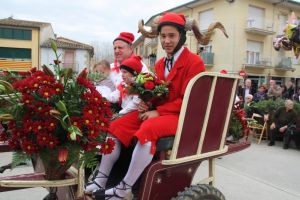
(149, 87)
(238, 124)
(56, 116)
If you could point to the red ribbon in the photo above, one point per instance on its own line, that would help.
(116, 67)
(123, 91)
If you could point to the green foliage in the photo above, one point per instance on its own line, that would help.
(268, 106)
(19, 157)
(235, 128)
(88, 159)
(96, 77)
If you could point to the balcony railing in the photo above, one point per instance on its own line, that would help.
(261, 27)
(284, 64)
(258, 63)
(208, 58)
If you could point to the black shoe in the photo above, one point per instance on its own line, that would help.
(100, 194)
(98, 187)
(271, 143)
(285, 146)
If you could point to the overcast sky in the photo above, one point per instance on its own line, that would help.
(87, 20)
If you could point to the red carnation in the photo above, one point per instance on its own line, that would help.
(3, 136)
(28, 146)
(148, 85)
(108, 146)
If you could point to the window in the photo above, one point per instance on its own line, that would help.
(18, 34)
(254, 52)
(205, 49)
(256, 17)
(205, 19)
(15, 53)
(282, 23)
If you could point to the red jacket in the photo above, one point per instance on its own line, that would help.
(186, 67)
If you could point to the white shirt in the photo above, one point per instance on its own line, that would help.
(175, 58)
(247, 91)
(129, 102)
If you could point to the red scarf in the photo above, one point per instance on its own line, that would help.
(123, 91)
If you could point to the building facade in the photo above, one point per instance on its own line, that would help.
(20, 43)
(251, 26)
(74, 55)
(26, 44)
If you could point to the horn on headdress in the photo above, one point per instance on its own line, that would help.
(192, 25)
(149, 31)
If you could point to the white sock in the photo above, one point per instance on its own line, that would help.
(107, 162)
(141, 158)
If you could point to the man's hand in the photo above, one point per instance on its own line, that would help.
(282, 129)
(272, 126)
(143, 107)
(149, 114)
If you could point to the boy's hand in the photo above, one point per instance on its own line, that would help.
(149, 114)
(143, 107)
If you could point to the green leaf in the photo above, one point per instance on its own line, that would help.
(74, 131)
(19, 157)
(2, 88)
(89, 159)
(61, 106)
(53, 46)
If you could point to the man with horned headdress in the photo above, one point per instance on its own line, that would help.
(178, 67)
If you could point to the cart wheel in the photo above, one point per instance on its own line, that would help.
(200, 192)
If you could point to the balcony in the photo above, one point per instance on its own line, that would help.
(260, 27)
(15, 65)
(261, 63)
(208, 58)
(284, 64)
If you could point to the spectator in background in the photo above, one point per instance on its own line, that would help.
(296, 96)
(249, 108)
(291, 89)
(274, 90)
(248, 103)
(261, 94)
(284, 117)
(284, 92)
(105, 86)
(247, 89)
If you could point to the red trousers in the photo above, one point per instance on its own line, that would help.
(129, 126)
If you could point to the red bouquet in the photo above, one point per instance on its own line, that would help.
(149, 87)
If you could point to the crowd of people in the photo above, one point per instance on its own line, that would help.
(284, 122)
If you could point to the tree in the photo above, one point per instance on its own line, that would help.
(103, 50)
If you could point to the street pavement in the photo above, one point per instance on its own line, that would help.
(257, 173)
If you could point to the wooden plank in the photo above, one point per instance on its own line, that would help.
(4, 147)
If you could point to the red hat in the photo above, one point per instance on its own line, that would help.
(173, 18)
(126, 37)
(133, 65)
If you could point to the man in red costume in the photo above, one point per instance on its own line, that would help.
(123, 49)
(178, 67)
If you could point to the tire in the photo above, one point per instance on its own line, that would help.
(200, 192)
